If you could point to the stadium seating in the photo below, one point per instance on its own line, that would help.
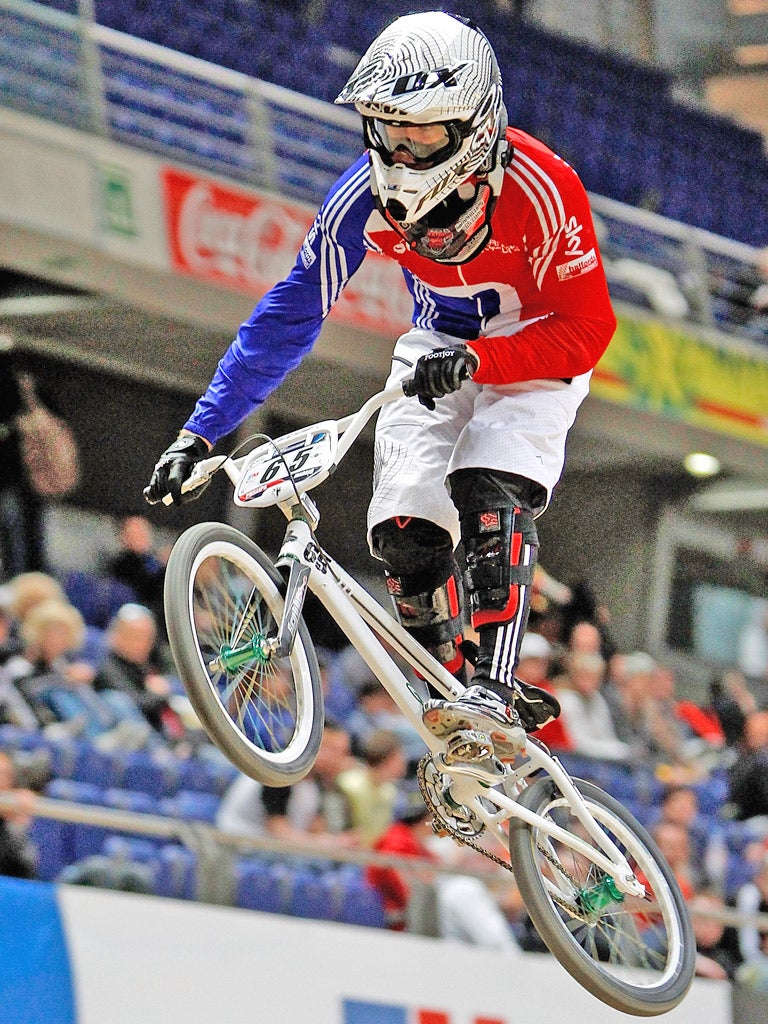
(608, 116)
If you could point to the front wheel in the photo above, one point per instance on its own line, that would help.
(637, 955)
(223, 606)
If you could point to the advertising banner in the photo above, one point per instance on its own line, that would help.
(663, 370)
(248, 241)
(77, 955)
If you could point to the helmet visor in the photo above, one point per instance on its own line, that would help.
(419, 146)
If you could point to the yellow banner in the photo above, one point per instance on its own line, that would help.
(659, 369)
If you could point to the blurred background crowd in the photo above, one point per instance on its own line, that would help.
(91, 712)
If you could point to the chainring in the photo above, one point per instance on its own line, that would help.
(457, 820)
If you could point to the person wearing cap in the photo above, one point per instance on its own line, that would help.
(585, 711)
(536, 654)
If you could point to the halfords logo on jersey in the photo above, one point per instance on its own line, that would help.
(575, 268)
(363, 1012)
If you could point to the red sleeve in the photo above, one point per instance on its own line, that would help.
(565, 263)
(702, 722)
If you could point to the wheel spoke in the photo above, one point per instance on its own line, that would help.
(637, 954)
(223, 602)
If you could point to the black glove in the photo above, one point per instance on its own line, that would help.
(173, 468)
(440, 372)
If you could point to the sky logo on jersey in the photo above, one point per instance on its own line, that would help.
(577, 267)
(358, 1011)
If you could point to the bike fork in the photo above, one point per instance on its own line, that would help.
(298, 544)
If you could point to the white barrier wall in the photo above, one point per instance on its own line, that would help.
(84, 956)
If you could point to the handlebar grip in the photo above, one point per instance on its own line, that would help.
(150, 501)
(409, 388)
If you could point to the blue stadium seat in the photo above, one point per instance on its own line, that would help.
(56, 841)
(202, 776)
(359, 903)
(191, 806)
(312, 895)
(261, 885)
(142, 772)
(120, 847)
(97, 597)
(176, 874)
(738, 872)
(94, 649)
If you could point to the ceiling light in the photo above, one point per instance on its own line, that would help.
(701, 464)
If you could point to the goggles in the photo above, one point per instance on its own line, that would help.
(419, 146)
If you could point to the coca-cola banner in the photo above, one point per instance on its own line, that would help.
(249, 241)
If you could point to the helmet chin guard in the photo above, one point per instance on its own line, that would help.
(433, 70)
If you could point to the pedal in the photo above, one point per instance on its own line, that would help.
(468, 745)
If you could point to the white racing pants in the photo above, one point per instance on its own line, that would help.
(517, 428)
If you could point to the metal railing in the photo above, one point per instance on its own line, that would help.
(208, 843)
(66, 67)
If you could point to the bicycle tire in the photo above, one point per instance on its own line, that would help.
(266, 714)
(623, 931)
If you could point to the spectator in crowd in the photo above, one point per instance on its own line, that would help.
(686, 741)
(50, 630)
(371, 788)
(674, 842)
(627, 691)
(10, 644)
(22, 544)
(548, 596)
(751, 899)
(17, 854)
(731, 700)
(680, 806)
(748, 776)
(584, 637)
(586, 713)
(583, 609)
(468, 907)
(376, 710)
(129, 668)
(717, 951)
(29, 589)
(407, 836)
(535, 660)
(312, 812)
(41, 689)
(138, 565)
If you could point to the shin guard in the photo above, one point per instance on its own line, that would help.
(501, 545)
(424, 581)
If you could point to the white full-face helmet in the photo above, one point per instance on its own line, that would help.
(429, 91)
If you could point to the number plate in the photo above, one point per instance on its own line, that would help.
(275, 472)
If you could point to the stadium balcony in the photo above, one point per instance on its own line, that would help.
(613, 120)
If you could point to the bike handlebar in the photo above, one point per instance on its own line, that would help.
(349, 428)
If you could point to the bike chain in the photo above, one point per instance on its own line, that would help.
(441, 824)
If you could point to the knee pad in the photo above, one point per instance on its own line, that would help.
(500, 542)
(424, 582)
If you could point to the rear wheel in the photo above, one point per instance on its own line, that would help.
(223, 605)
(637, 955)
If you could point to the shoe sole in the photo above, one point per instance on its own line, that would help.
(507, 745)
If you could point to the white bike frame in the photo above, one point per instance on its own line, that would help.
(363, 620)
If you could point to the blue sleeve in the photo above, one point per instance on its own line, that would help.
(286, 323)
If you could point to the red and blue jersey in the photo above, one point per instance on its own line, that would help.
(533, 302)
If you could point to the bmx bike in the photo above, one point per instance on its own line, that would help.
(594, 883)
